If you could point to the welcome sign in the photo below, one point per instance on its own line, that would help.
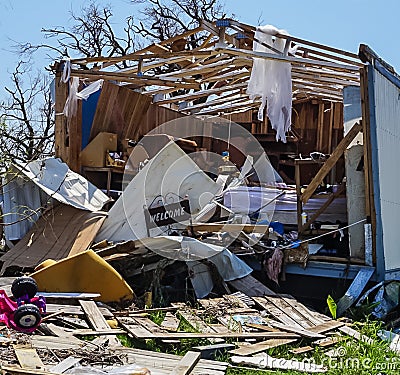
(169, 214)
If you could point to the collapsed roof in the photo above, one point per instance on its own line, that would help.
(212, 79)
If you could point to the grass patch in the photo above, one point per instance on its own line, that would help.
(352, 357)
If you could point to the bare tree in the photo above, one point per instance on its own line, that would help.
(91, 35)
(26, 117)
(164, 19)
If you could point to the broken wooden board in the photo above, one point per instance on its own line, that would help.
(276, 312)
(326, 326)
(97, 321)
(52, 342)
(52, 308)
(261, 346)
(164, 363)
(302, 350)
(311, 317)
(135, 329)
(229, 303)
(357, 335)
(227, 335)
(52, 237)
(302, 332)
(330, 162)
(191, 317)
(186, 364)
(251, 287)
(28, 357)
(170, 322)
(95, 318)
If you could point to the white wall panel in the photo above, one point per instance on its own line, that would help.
(387, 116)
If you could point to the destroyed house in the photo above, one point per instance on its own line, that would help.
(336, 163)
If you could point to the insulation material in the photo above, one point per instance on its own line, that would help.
(272, 81)
(71, 104)
(90, 89)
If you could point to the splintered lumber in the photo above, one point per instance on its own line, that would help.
(186, 364)
(268, 344)
(90, 332)
(251, 287)
(52, 308)
(148, 324)
(311, 317)
(238, 335)
(164, 363)
(301, 332)
(330, 162)
(95, 318)
(266, 361)
(357, 335)
(191, 317)
(28, 357)
(52, 342)
(97, 321)
(302, 350)
(276, 312)
(170, 322)
(327, 341)
(289, 310)
(137, 330)
(62, 339)
(261, 346)
(326, 326)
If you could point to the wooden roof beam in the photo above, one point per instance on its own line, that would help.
(317, 78)
(222, 99)
(288, 59)
(143, 80)
(227, 109)
(202, 93)
(301, 41)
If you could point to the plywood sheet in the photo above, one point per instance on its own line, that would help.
(58, 232)
(120, 111)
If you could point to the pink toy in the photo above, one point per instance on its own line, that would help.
(25, 313)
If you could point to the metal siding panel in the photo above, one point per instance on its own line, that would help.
(387, 117)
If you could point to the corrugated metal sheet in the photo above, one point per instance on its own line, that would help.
(387, 119)
(27, 189)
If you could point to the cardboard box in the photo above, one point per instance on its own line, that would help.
(94, 154)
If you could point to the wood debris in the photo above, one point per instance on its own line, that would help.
(59, 343)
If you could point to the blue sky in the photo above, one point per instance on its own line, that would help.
(340, 23)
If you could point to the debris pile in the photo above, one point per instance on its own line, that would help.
(236, 324)
(170, 218)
